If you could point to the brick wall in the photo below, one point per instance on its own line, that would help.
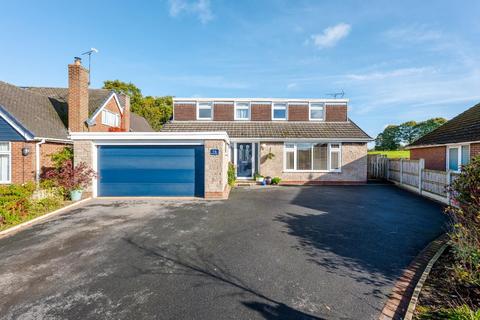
(474, 150)
(77, 97)
(216, 167)
(126, 114)
(335, 113)
(99, 126)
(24, 167)
(354, 166)
(185, 112)
(223, 112)
(82, 151)
(261, 112)
(298, 112)
(435, 157)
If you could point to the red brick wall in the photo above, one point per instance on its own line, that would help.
(435, 157)
(298, 112)
(185, 112)
(223, 112)
(474, 150)
(113, 107)
(261, 112)
(77, 97)
(23, 167)
(335, 113)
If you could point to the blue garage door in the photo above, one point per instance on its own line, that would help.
(151, 171)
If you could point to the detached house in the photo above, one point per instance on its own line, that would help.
(451, 145)
(302, 141)
(35, 121)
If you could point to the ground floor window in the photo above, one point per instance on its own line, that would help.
(458, 156)
(5, 162)
(312, 157)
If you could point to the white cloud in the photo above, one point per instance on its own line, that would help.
(292, 86)
(200, 8)
(413, 34)
(381, 75)
(331, 36)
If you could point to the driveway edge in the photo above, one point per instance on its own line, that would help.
(21, 226)
(399, 300)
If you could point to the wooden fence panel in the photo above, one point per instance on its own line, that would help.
(435, 182)
(410, 169)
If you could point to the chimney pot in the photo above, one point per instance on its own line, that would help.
(77, 60)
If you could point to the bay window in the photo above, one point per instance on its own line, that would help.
(279, 111)
(242, 111)
(458, 156)
(204, 111)
(312, 157)
(5, 162)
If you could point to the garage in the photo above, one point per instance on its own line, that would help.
(150, 170)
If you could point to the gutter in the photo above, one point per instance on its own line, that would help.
(54, 140)
(37, 160)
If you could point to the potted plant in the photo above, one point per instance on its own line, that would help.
(259, 178)
(276, 180)
(268, 180)
(73, 179)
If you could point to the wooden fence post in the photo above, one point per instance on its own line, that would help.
(401, 170)
(421, 166)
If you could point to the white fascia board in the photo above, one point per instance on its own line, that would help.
(54, 140)
(24, 132)
(339, 140)
(286, 100)
(113, 95)
(149, 136)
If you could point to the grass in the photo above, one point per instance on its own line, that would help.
(395, 154)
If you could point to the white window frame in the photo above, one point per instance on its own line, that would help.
(329, 156)
(459, 156)
(205, 105)
(273, 111)
(316, 106)
(242, 105)
(9, 154)
(116, 122)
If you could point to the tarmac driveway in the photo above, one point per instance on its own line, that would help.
(283, 253)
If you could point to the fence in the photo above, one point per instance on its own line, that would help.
(411, 174)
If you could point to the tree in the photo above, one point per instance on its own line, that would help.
(394, 137)
(156, 110)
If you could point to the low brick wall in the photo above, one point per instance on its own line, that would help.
(354, 166)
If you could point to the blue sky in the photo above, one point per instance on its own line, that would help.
(395, 60)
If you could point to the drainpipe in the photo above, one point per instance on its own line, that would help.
(37, 161)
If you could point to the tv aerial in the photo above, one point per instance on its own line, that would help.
(89, 53)
(336, 95)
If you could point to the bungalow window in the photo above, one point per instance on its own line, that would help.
(316, 111)
(204, 111)
(242, 111)
(313, 157)
(458, 156)
(5, 162)
(279, 111)
(110, 119)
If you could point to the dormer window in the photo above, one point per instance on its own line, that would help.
(242, 111)
(317, 111)
(279, 111)
(204, 111)
(110, 119)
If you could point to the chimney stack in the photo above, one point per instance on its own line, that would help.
(77, 96)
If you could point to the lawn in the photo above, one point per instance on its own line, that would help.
(395, 154)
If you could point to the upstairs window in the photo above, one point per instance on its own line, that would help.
(110, 119)
(317, 111)
(204, 111)
(279, 111)
(5, 162)
(242, 111)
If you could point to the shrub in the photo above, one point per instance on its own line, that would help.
(465, 232)
(231, 174)
(276, 180)
(70, 177)
(59, 158)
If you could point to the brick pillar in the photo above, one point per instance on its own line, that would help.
(126, 114)
(82, 152)
(77, 96)
(216, 167)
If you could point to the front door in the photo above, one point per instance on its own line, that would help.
(244, 160)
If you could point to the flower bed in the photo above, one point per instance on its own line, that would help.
(17, 204)
(444, 297)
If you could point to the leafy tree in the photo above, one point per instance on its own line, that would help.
(156, 110)
(394, 137)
